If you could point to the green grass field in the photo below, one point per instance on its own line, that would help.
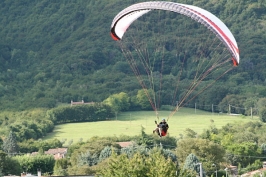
(129, 123)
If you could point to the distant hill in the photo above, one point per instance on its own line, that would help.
(52, 52)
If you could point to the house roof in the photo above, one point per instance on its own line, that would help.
(125, 144)
(56, 151)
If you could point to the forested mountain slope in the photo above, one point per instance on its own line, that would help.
(56, 51)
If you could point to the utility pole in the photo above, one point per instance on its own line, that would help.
(130, 119)
(201, 173)
(226, 172)
(215, 169)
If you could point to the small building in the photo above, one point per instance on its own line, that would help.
(80, 103)
(58, 153)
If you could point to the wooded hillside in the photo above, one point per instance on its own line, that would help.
(52, 52)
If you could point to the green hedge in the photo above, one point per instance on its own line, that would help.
(31, 163)
(81, 113)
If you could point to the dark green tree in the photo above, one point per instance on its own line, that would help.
(86, 158)
(105, 153)
(170, 154)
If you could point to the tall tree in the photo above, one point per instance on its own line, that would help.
(87, 158)
(105, 153)
(10, 144)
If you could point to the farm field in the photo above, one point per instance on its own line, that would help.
(129, 123)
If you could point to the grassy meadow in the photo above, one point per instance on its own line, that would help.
(129, 123)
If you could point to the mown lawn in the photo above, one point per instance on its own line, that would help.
(129, 123)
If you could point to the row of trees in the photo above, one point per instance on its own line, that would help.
(237, 104)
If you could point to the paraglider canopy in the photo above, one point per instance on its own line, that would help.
(127, 16)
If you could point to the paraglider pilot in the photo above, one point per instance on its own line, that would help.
(161, 128)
